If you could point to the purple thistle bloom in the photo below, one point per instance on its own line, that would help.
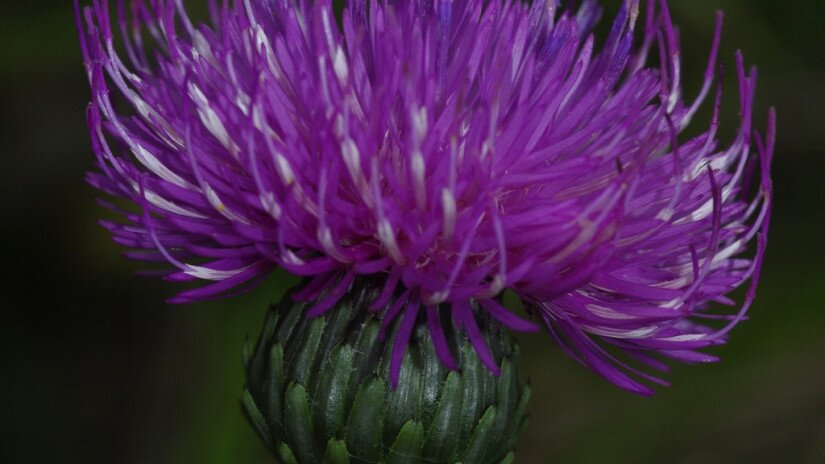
(457, 148)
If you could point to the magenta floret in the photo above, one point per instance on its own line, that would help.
(458, 148)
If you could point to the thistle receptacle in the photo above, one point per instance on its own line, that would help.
(318, 390)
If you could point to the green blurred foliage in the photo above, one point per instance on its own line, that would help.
(96, 368)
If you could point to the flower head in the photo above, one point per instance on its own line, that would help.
(457, 148)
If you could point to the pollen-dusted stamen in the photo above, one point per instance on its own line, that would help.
(449, 207)
(452, 150)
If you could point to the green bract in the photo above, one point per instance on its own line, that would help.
(318, 391)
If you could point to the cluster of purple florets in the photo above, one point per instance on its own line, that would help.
(458, 148)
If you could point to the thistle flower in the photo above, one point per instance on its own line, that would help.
(453, 149)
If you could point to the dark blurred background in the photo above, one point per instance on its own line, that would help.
(96, 368)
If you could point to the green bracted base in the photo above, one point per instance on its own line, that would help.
(318, 391)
